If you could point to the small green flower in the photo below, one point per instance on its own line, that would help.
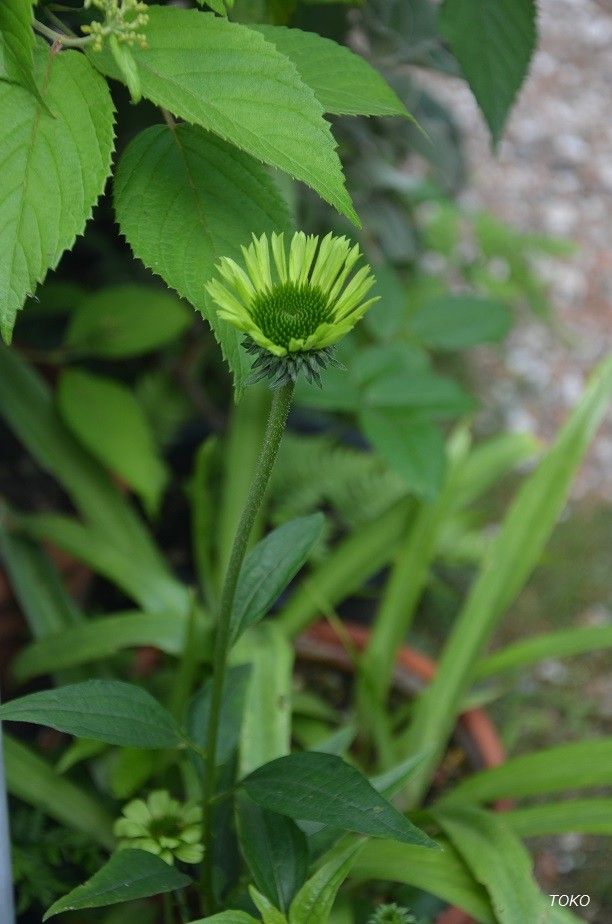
(162, 826)
(293, 303)
(392, 914)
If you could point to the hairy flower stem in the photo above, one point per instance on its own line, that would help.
(275, 428)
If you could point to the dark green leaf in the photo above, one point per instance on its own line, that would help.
(314, 901)
(454, 322)
(493, 43)
(104, 710)
(414, 448)
(270, 566)
(183, 199)
(232, 708)
(201, 67)
(129, 874)
(275, 850)
(126, 320)
(343, 82)
(312, 786)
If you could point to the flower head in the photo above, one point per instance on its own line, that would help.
(162, 826)
(392, 914)
(293, 303)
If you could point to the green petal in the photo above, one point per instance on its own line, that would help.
(161, 804)
(233, 310)
(125, 827)
(296, 255)
(329, 262)
(262, 253)
(358, 287)
(190, 853)
(238, 279)
(310, 250)
(137, 810)
(280, 256)
(352, 257)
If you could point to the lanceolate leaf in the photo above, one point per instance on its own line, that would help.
(270, 566)
(275, 850)
(232, 707)
(343, 82)
(313, 786)
(104, 710)
(493, 43)
(314, 901)
(54, 169)
(36, 782)
(129, 874)
(201, 68)
(183, 199)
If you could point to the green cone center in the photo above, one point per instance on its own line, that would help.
(290, 311)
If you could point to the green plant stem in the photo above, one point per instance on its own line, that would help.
(275, 428)
(68, 41)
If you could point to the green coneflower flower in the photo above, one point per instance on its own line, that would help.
(293, 303)
(162, 826)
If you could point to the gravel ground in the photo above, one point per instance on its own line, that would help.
(553, 174)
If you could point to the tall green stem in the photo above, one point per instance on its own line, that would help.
(275, 428)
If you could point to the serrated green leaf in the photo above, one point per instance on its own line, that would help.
(200, 67)
(454, 322)
(269, 568)
(54, 169)
(36, 782)
(343, 82)
(17, 43)
(103, 710)
(493, 43)
(106, 418)
(129, 874)
(319, 787)
(125, 320)
(183, 199)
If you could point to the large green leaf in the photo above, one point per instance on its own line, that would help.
(275, 851)
(107, 419)
(578, 765)
(313, 903)
(343, 82)
(103, 637)
(510, 560)
(17, 43)
(104, 710)
(454, 322)
(562, 644)
(441, 872)
(129, 874)
(270, 567)
(54, 169)
(319, 787)
(498, 860)
(125, 320)
(183, 199)
(201, 68)
(493, 43)
(32, 779)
